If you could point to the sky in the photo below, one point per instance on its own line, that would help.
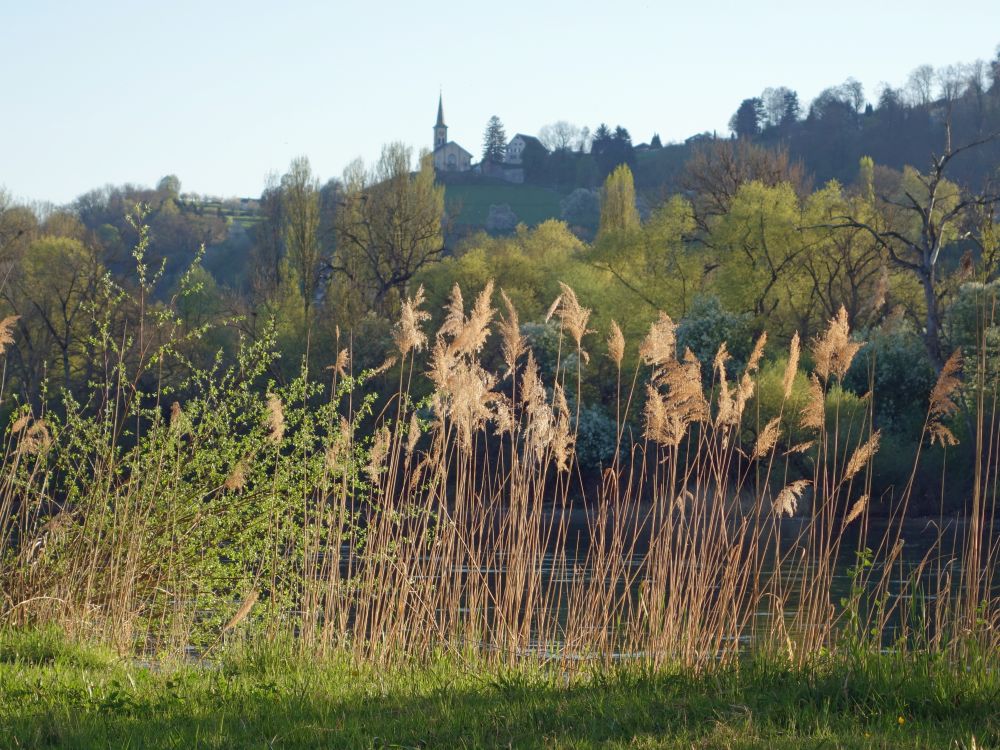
(223, 93)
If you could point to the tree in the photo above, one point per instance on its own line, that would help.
(651, 263)
(920, 85)
(494, 141)
(758, 250)
(169, 186)
(994, 70)
(50, 288)
(388, 227)
(618, 212)
(843, 267)
(655, 142)
(300, 224)
(952, 81)
(773, 100)
(748, 118)
(791, 110)
(535, 160)
(581, 208)
(611, 149)
(717, 169)
(854, 93)
(916, 221)
(560, 135)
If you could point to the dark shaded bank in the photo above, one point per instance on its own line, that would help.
(57, 694)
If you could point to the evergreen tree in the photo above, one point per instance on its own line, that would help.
(790, 108)
(494, 141)
(611, 149)
(655, 141)
(746, 122)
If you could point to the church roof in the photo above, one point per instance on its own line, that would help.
(452, 143)
(440, 120)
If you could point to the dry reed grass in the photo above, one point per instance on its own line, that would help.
(462, 530)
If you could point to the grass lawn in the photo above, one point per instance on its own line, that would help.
(531, 204)
(56, 694)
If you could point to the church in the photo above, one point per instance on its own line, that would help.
(448, 155)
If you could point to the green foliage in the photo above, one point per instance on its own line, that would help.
(619, 216)
(895, 368)
(707, 326)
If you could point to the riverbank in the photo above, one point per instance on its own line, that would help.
(55, 693)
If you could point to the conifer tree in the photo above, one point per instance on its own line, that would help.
(494, 141)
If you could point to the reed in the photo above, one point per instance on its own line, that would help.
(404, 525)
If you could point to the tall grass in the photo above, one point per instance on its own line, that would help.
(461, 521)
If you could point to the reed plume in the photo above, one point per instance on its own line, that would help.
(237, 478)
(660, 344)
(407, 333)
(342, 363)
(856, 510)
(616, 344)
(474, 331)
(786, 503)
(792, 367)
(20, 423)
(861, 456)
(243, 611)
(813, 416)
(513, 344)
(834, 351)
(378, 453)
(6, 331)
(274, 419)
(767, 439)
(573, 315)
(37, 438)
(942, 405)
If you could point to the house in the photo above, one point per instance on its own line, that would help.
(448, 156)
(516, 147)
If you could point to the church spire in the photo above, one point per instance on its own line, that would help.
(440, 129)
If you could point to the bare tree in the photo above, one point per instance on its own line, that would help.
(300, 220)
(952, 80)
(717, 169)
(854, 93)
(774, 99)
(920, 85)
(917, 224)
(389, 226)
(559, 136)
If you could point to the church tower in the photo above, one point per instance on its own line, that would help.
(440, 129)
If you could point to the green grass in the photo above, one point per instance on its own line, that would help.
(531, 204)
(57, 694)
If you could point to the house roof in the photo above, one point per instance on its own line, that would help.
(529, 139)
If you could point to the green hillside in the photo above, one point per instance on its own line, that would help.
(531, 204)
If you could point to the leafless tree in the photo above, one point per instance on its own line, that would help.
(938, 211)
(559, 135)
(920, 85)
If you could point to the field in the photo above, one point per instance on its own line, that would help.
(57, 694)
(531, 204)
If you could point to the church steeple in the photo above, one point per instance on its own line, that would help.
(440, 129)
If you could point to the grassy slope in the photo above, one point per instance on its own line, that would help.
(531, 204)
(53, 694)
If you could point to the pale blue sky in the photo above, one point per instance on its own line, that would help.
(221, 93)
